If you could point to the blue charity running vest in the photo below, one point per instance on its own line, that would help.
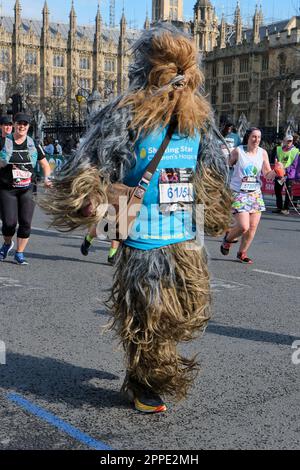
(159, 223)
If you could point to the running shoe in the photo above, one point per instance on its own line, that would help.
(243, 258)
(86, 245)
(225, 246)
(112, 256)
(5, 250)
(276, 211)
(144, 400)
(19, 258)
(285, 212)
(112, 259)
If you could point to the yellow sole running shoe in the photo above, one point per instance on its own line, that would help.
(144, 400)
(150, 408)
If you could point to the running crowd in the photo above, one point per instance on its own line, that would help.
(247, 160)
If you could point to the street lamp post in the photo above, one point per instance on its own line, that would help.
(278, 109)
(79, 98)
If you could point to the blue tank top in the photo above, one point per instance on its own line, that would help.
(159, 223)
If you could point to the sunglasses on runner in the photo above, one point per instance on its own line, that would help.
(22, 123)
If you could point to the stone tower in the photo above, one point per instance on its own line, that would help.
(165, 10)
(205, 26)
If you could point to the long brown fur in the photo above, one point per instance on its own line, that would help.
(216, 197)
(150, 331)
(68, 197)
(151, 316)
(170, 57)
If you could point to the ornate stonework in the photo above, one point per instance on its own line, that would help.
(245, 68)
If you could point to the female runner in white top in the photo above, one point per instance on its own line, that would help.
(250, 162)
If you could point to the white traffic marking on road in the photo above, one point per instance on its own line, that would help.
(276, 274)
(77, 237)
(8, 282)
(218, 285)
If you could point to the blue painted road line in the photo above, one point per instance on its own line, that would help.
(57, 422)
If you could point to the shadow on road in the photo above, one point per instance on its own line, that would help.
(58, 381)
(227, 260)
(44, 233)
(72, 237)
(251, 335)
(103, 313)
(93, 248)
(59, 258)
(290, 218)
(286, 229)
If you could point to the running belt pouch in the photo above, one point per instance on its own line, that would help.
(125, 202)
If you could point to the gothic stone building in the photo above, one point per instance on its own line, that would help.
(249, 70)
(245, 68)
(48, 63)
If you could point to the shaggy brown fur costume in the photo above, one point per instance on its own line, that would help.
(160, 296)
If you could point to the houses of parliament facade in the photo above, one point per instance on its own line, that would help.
(247, 70)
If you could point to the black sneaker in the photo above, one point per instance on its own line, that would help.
(112, 259)
(144, 400)
(276, 211)
(86, 245)
(225, 246)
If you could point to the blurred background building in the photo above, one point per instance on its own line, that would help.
(54, 68)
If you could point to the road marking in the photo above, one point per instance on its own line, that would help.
(77, 237)
(57, 422)
(219, 285)
(8, 282)
(276, 274)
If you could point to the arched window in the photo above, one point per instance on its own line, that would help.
(84, 63)
(31, 57)
(174, 9)
(58, 60)
(282, 63)
(157, 10)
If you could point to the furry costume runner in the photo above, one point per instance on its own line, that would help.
(161, 294)
(159, 298)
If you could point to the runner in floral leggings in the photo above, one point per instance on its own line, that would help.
(249, 161)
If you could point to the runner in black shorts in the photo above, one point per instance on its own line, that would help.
(17, 160)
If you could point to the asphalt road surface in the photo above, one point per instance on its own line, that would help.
(59, 388)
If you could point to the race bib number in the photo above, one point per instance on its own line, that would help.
(173, 193)
(21, 178)
(249, 183)
(175, 188)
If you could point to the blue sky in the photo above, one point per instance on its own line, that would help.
(135, 9)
